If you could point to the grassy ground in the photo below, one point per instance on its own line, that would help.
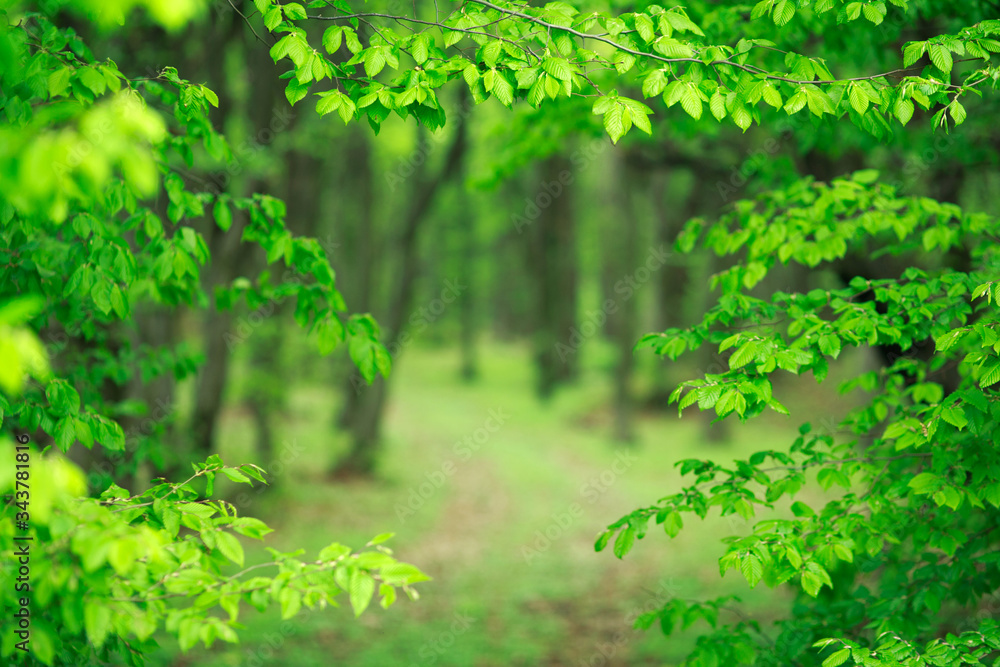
(507, 537)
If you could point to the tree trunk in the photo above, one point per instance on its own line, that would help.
(553, 259)
(361, 256)
(626, 315)
(267, 395)
(468, 262)
(229, 258)
(368, 402)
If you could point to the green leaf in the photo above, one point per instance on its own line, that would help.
(829, 344)
(328, 102)
(503, 90)
(751, 567)
(640, 120)
(402, 574)
(294, 11)
(837, 658)
(691, 101)
(673, 523)
(955, 416)
(97, 622)
(912, 52)
(801, 509)
(772, 96)
(222, 214)
(990, 375)
(379, 539)
(374, 61)
(332, 38)
(291, 602)
(718, 105)
(118, 302)
(784, 10)
(362, 589)
(859, 99)
(871, 12)
(654, 83)
(644, 26)
(272, 18)
(744, 355)
(388, 594)
(59, 81)
(903, 109)
(557, 67)
(235, 475)
(93, 80)
(672, 48)
(333, 552)
(924, 482)
(295, 91)
(210, 95)
(65, 433)
(613, 123)
(741, 116)
(957, 111)
(941, 57)
(624, 541)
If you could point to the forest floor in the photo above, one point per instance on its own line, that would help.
(504, 522)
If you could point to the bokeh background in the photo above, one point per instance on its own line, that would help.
(512, 261)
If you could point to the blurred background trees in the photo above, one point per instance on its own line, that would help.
(516, 256)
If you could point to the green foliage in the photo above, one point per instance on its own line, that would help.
(84, 246)
(113, 570)
(908, 533)
(511, 51)
(894, 568)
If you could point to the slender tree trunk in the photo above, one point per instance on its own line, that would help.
(267, 395)
(554, 260)
(362, 257)
(369, 404)
(625, 317)
(229, 258)
(216, 330)
(468, 262)
(708, 357)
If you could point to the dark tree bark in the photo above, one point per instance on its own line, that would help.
(359, 255)
(367, 403)
(625, 317)
(229, 257)
(267, 394)
(228, 260)
(468, 261)
(553, 260)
